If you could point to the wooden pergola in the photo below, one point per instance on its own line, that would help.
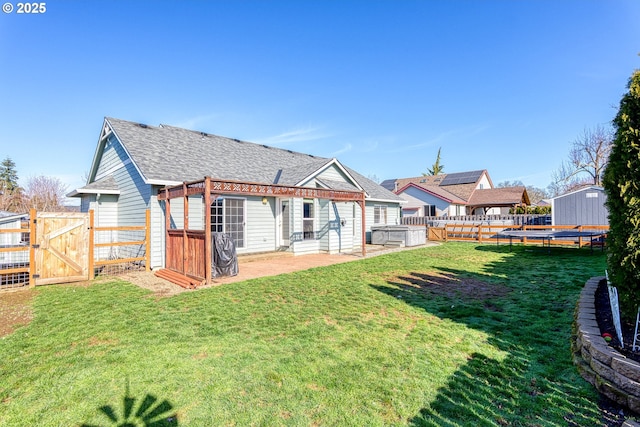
(188, 252)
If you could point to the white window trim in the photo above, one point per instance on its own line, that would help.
(244, 217)
(314, 219)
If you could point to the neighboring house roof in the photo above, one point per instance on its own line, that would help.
(105, 185)
(461, 184)
(6, 216)
(168, 155)
(435, 191)
(461, 189)
(505, 196)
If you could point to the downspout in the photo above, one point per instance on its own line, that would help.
(363, 227)
(337, 215)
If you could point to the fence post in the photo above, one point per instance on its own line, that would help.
(580, 237)
(147, 240)
(32, 249)
(480, 233)
(91, 245)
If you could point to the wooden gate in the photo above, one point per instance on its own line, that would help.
(61, 247)
(436, 234)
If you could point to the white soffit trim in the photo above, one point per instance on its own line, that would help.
(163, 183)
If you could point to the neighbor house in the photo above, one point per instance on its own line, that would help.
(14, 240)
(454, 194)
(134, 162)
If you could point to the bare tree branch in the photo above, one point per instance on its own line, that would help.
(587, 160)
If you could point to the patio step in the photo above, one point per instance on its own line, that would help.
(394, 244)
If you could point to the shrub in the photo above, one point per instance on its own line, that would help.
(622, 185)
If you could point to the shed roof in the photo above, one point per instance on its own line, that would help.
(578, 190)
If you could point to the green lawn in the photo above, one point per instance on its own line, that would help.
(454, 335)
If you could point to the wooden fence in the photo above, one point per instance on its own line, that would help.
(65, 247)
(483, 233)
(521, 219)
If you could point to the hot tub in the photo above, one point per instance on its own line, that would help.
(404, 235)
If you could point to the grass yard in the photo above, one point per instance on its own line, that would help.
(453, 335)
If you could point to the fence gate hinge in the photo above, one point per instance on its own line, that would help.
(35, 276)
(35, 246)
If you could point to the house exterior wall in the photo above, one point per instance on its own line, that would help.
(456, 210)
(490, 211)
(323, 225)
(333, 173)
(13, 239)
(260, 228)
(157, 232)
(418, 199)
(298, 245)
(342, 231)
(134, 199)
(582, 207)
(483, 182)
(393, 215)
(105, 214)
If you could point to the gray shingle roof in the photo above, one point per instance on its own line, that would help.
(171, 154)
(106, 184)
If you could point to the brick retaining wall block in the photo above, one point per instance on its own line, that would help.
(611, 373)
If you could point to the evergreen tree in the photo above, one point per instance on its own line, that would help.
(437, 168)
(622, 186)
(8, 176)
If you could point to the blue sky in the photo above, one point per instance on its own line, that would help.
(381, 85)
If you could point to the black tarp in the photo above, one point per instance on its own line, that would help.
(224, 260)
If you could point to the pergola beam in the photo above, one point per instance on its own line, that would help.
(257, 189)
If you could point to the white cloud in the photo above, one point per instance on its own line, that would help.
(343, 150)
(194, 122)
(294, 136)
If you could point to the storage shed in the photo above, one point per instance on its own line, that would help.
(585, 206)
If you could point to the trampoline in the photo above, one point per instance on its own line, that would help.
(549, 235)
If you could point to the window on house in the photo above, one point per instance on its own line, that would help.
(379, 214)
(429, 210)
(25, 238)
(227, 216)
(308, 219)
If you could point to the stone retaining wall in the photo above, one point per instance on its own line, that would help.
(610, 372)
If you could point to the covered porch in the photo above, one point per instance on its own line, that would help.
(188, 250)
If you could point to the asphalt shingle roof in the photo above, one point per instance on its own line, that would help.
(499, 196)
(167, 153)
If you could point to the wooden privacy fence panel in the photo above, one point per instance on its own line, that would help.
(489, 233)
(61, 248)
(64, 247)
(185, 252)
